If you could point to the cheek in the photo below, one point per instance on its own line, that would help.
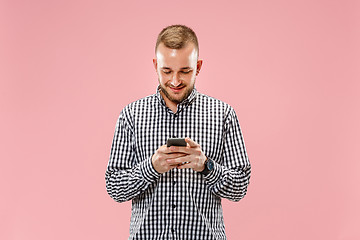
(189, 78)
(192, 76)
(162, 78)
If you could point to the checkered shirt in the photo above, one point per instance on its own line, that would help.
(180, 204)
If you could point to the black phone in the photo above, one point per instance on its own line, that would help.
(180, 142)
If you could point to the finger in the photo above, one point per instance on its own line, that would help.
(171, 166)
(178, 160)
(163, 149)
(185, 165)
(191, 142)
(166, 150)
(192, 151)
(176, 149)
(175, 155)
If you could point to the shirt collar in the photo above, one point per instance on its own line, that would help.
(184, 103)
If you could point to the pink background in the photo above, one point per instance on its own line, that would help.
(289, 68)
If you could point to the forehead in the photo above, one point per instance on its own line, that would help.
(183, 57)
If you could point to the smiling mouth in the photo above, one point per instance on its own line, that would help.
(177, 89)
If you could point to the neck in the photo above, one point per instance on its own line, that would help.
(170, 104)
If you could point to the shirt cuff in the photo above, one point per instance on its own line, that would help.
(148, 171)
(213, 176)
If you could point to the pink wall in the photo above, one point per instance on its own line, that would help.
(289, 68)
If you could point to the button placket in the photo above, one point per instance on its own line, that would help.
(174, 132)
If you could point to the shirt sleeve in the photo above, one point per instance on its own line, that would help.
(230, 178)
(124, 178)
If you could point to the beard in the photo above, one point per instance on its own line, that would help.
(179, 99)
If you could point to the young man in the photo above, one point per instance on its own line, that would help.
(176, 191)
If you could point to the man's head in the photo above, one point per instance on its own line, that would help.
(176, 37)
(176, 62)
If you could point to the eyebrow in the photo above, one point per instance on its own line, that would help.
(184, 68)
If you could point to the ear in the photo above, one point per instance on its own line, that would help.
(155, 63)
(198, 66)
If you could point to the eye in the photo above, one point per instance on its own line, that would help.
(186, 72)
(167, 72)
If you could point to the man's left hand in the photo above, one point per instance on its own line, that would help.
(194, 159)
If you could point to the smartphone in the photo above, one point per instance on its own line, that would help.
(176, 142)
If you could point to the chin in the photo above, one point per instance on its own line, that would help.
(176, 98)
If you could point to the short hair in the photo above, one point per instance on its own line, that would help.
(176, 37)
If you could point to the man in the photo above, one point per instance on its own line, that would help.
(176, 191)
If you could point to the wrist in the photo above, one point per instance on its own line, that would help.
(208, 166)
(154, 165)
(203, 165)
(148, 171)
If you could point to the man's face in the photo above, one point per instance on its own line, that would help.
(177, 70)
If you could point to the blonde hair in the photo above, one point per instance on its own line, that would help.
(176, 37)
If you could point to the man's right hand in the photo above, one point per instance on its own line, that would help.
(162, 154)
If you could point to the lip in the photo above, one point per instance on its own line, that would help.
(176, 90)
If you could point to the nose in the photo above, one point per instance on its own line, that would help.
(175, 80)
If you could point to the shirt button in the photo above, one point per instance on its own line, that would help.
(172, 230)
(174, 206)
(174, 183)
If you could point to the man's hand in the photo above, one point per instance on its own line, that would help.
(167, 158)
(193, 157)
(162, 159)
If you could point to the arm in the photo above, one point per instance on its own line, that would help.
(124, 178)
(231, 178)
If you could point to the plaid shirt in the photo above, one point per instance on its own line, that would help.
(181, 203)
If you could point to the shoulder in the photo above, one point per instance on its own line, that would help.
(212, 102)
(139, 104)
(132, 109)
